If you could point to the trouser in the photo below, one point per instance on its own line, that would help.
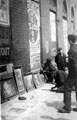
(50, 77)
(68, 86)
(60, 77)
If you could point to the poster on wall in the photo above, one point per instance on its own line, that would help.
(53, 32)
(4, 12)
(34, 34)
(65, 36)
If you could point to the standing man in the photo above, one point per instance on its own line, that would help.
(60, 59)
(72, 75)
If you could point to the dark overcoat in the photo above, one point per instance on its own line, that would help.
(72, 61)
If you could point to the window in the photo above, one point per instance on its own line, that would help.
(64, 7)
(72, 26)
(72, 12)
(72, 20)
(53, 32)
(53, 25)
(65, 40)
(53, 2)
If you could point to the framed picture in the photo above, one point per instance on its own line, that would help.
(42, 78)
(18, 73)
(4, 12)
(8, 88)
(3, 69)
(37, 79)
(28, 81)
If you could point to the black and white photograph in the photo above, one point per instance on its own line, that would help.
(38, 59)
(28, 81)
(8, 88)
(18, 72)
(37, 80)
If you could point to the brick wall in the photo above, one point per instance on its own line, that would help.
(19, 26)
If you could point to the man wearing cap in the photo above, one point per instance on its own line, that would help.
(72, 74)
(60, 59)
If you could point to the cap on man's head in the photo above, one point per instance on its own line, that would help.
(49, 59)
(72, 37)
(59, 49)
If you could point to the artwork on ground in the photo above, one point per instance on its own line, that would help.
(8, 88)
(19, 78)
(42, 78)
(38, 79)
(28, 80)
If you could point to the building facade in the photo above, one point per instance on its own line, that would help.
(32, 30)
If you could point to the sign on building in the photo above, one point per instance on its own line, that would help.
(5, 47)
(4, 12)
(34, 34)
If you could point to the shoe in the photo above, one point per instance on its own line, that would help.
(60, 89)
(75, 109)
(63, 110)
(53, 88)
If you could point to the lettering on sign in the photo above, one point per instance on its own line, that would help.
(4, 34)
(4, 51)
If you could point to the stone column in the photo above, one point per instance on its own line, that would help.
(45, 29)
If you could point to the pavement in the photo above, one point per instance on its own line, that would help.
(40, 104)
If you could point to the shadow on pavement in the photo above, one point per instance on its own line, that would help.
(50, 118)
(7, 117)
(56, 91)
(46, 89)
(55, 104)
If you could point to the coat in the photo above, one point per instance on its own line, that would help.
(60, 61)
(72, 61)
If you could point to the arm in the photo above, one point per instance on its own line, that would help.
(65, 62)
(56, 59)
(72, 59)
